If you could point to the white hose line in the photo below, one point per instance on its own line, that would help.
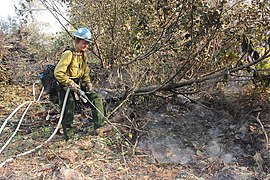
(34, 91)
(17, 128)
(10, 116)
(53, 134)
(39, 97)
(20, 106)
(20, 121)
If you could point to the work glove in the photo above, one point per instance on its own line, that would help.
(74, 87)
(89, 87)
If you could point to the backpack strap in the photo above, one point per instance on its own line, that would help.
(74, 54)
(68, 48)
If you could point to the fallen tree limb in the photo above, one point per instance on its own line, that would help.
(218, 73)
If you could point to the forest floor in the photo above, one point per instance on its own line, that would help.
(217, 135)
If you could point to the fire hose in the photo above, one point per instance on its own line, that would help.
(45, 142)
(82, 96)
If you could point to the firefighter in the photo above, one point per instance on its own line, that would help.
(72, 71)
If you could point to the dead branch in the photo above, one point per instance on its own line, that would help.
(156, 46)
(216, 74)
(266, 136)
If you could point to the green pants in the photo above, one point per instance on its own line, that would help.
(97, 111)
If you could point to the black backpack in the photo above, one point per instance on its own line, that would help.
(49, 82)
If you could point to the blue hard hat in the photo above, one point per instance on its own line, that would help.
(83, 33)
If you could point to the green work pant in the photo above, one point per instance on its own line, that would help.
(97, 111)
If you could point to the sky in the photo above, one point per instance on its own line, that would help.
(7, 9)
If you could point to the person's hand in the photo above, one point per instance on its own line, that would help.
(89, 87)
(74, 87)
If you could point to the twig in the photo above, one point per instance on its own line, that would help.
(45, 4)
(266, 136)
(123, 154)
(131, 93)
(135, 145)
(126, 99)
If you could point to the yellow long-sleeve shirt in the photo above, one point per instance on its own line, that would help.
(69, 68)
